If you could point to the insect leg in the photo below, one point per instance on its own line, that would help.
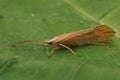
(101, 44)
(52, 52)
(70, 50)
(42, 44)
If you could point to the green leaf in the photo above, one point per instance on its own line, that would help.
(44, 19)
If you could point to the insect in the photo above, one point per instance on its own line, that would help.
(95, 36)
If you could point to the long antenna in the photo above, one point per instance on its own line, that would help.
(20, 42)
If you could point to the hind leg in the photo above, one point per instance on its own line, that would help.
(101, 44)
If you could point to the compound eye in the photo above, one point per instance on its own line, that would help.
(50, 43)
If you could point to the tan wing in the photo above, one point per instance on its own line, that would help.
(97, 34)
(104, 33)
(70, 37)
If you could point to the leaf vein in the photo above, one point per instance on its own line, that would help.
(81, 11)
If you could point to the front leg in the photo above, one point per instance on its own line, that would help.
(42, 44)
(52, 52)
